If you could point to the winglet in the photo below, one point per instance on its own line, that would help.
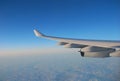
(38, 34)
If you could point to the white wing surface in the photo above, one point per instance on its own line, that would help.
(89, 48)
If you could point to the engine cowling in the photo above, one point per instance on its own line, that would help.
(92, 51)
(97, 49)
(100, 54)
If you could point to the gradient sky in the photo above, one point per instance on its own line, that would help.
(84, 19)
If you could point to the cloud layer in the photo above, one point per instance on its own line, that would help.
(59, 67)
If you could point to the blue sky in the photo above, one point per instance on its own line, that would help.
(84, 19)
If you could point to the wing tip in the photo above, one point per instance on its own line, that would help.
(38, 34)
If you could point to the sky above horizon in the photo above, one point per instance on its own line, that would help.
(84, 19)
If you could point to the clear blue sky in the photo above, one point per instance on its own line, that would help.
(84, 19)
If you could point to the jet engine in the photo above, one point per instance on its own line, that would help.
(95, 54)
(96, 49)
(93, 51)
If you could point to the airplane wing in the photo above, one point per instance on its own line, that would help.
(88, 48)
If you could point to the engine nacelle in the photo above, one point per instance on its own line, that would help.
(97, 49)
(74, 46)
(115, 54)
(100, 54)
